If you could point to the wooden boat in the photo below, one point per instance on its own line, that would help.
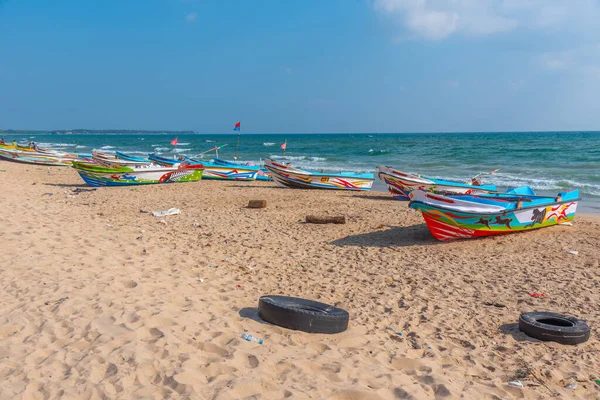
(400, 184)
(470, 216)
(212, 170)
(124, 156)
(287, 176)
(36, 158)
(262, 175)
(112, 160)
(99, 175)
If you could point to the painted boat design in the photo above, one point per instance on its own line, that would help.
(400, 184)
(287, 176)
(99, 175)
(212, 170)
(472, 216)
(262, 175)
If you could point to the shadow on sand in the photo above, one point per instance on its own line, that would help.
(387, 197)
(399, 236)
(68, 185)
(513, 330)
(252, 313)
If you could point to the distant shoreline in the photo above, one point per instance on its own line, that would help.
(90, 131)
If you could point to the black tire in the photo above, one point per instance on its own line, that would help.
(303, 315)
(554, 327)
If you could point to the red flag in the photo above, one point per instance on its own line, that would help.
(174, 142)
(237, 127)
(283, 146)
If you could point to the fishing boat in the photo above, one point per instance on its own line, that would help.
(287, 176)
(400, 184)
(212, 170)
(127, 157)
(100, 175)
(262, 175)
(112, 160)
(36, 158)
(470, 216)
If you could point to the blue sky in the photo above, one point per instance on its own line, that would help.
(300, 66)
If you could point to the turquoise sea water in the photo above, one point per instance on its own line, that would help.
(547, 161)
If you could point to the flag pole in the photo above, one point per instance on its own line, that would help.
(237, 144)
(284, 147)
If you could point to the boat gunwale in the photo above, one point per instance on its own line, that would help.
(495, 212)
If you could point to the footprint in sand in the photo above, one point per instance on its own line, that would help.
(130, 284)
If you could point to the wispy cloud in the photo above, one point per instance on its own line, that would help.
(191, 17)
(438, 19)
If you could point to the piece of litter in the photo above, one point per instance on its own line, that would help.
(227, 259)
(70, 196)
(597, 382)
(515, 384)
(211, 266)
(201, 280)
(567, 223)
(574, 252)
(61, 300)
(537, 294)
(572, 386)
(494, 304)
(170, 211)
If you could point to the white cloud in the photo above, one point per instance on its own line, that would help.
(191, 17)
(438, 19)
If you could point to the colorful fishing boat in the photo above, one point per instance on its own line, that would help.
(127, 157)
(287, 176)
(470, 216)
(262, 175)
(112, 160)
(36, 158)
(100, 175)
(400, 184)
(212, 170)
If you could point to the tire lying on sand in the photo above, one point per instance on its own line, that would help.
(303, 315)
(554, 327)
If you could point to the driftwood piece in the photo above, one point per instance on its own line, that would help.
(257, 204)
(315, 219)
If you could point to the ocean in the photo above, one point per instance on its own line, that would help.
(549, 162)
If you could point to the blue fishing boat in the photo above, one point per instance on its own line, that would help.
(212, 170)
(263, 173)
(127, 157)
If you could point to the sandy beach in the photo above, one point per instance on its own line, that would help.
(99, 299)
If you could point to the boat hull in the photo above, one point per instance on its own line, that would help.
(400, 184)
(445, 224)
(289, 177)
(98, 177)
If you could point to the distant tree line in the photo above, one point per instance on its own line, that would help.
(83, 131)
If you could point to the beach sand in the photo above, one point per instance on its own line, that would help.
(101, 300)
